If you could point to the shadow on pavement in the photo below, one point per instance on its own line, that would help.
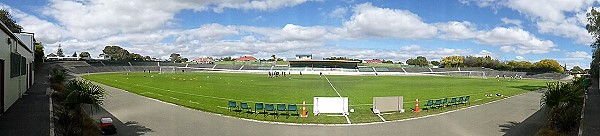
(528, 127)
(129, 128)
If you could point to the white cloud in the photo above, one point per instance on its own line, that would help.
(579, 54)
(511, 21)
(565, 18)
(207, 32)
(90, 25)
(411, 48)
(515, 40)
(520, 58)
(371, 21)
(480, 3)
(338, 13)
(457, 30)
(484, 53)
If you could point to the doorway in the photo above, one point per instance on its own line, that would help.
(2, 86)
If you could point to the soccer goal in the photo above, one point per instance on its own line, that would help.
(474, 74)
(330, 105)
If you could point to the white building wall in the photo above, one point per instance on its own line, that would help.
(13, 87)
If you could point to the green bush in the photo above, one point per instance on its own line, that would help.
(73, 122)
(562, 94)
(564, 101)
(79, 92)
(565, 118)
(58, 76)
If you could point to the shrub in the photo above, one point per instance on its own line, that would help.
(564, 101)
(79, 92)
(74, 122)
(565, 118)
(58, 76)
(562, 94)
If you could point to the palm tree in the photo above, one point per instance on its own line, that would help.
(564, 102)
(81, 92)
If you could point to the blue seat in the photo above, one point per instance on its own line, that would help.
(259, 107)
(452, 101)
(428, 105)
(244, 106)
(293, 107)
(466, 100)
(460, 100)
(281, 108)
(232, 104)
(444, 101)
(270, 109)
(438, 103)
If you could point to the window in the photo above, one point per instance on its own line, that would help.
(23, 65)
(15, 59)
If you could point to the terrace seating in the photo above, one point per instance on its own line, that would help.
(270, 110)
(281, 107)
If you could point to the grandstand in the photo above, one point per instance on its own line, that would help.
(80, 67)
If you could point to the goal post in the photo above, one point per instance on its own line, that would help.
(473, 74)
(330, 105)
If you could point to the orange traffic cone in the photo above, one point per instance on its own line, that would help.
(417, 106)
(304, 109)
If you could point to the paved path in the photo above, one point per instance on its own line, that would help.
(137, 115)
(591, 120)
(30, 115)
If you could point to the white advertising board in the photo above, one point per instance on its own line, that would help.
(330, 105)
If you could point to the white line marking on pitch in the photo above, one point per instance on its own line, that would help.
(347, 119)
(332, 86)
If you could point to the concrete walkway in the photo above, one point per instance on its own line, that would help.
(138, 115)
(30, 115)
(591, 120)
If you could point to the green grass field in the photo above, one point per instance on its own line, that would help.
(210, 92)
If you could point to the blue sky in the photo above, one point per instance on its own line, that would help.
(382, 29)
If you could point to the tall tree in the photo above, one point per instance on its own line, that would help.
(435, 63)
(116, 52)
(59, 51)
(6, 18)
(39, 54)
(136, 57)
(549, 65)
(175, 57)
(453, 61)
(74, 54)
(577, 69)
(84, 54)
(593, 27)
